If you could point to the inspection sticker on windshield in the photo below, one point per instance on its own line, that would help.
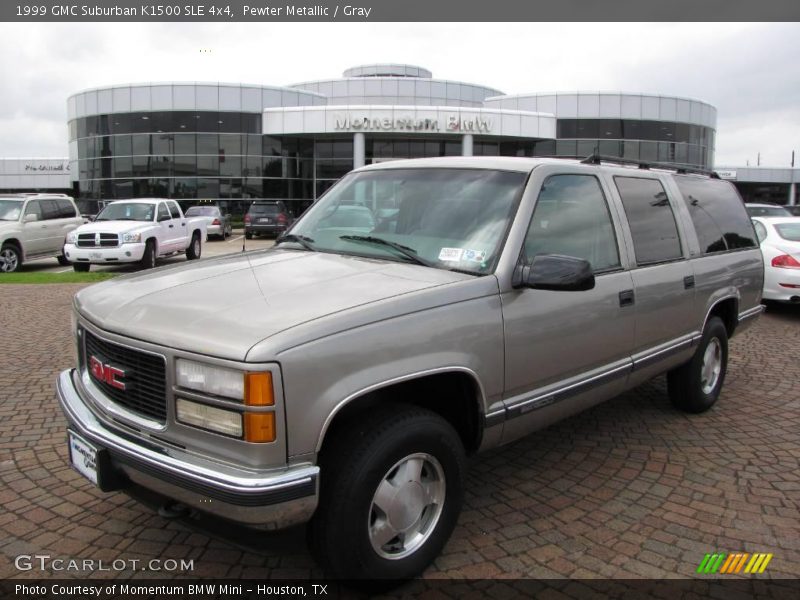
(477, 256)
(450, 254)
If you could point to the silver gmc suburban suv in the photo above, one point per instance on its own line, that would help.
(420, 311)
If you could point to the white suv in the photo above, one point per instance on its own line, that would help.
(34, 226)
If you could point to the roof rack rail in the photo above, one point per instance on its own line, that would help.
(596, 159)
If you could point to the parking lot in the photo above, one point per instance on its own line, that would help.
(213, 247)
(630, 489)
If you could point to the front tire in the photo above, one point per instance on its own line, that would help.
(195, 247)
(695, 386)
(10, 260)
(390, 496)
(149, 257)
(81, 267)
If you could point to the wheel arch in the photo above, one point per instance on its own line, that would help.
(17, 244)
(727, 309)
(454, 393)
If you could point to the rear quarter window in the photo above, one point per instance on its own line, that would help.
(718, 214)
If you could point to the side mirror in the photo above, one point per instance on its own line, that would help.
(555, 272)
(164, 218)
(30, 218)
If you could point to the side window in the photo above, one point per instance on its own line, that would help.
(65, 209)
(174, 210)
(652, 222)
(163, 213)
(572, 218)
(50, 210)
(34, 208)
(761, 231)
(720, 219)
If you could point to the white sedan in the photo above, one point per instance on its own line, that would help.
(780, 245)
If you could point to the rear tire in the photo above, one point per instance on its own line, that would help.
(195, 247)
(695, 386)
(10, 258)
(248, 235)
(390, 495)
(149, 257)
(81, 267)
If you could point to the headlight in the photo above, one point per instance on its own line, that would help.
(131, 238)
(72, 237)
(223, 421)
(254, 389)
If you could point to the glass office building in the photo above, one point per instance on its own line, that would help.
(232, 143)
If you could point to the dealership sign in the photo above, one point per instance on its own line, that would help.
(454, 123)
(49, 167)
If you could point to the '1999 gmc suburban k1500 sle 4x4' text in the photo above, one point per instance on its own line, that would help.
(341, 377)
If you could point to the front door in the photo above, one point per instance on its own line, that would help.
(567, 350)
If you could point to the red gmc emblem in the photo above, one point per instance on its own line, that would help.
(106, 373)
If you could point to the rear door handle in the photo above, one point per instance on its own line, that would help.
(688, 282)
(626, 298)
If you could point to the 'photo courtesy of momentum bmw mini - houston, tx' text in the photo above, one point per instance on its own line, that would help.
(299, 307)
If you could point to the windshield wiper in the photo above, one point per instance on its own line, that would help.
(303, 240)
(404, 250)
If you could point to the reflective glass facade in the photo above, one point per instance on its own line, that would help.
(192, 141)
(636, 139)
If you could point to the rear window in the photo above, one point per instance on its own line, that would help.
(789, 231)
(719, 217)
(767, 211)
(204, 211)
(651, 220)
(265, 209)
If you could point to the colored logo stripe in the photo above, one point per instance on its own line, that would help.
(734, 563)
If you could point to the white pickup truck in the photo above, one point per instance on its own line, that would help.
(141, 230)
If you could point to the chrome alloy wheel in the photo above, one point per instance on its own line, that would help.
(407, 506)
(712, 366)
(196, 246)
(9, 260)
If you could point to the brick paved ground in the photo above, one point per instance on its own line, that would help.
(630, 489)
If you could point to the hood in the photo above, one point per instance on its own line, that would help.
(113, 226)
(223, 307)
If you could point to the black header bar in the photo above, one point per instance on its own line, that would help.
(266, 11)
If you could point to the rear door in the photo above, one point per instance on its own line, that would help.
(663, 280)
(65, 220)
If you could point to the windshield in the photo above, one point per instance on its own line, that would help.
(451, 218)
(789, 231)
(202, 211)
(9, 209)
(127, 211)
(767, 211)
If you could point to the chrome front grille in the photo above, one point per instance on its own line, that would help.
(98, 240)
(140, 382)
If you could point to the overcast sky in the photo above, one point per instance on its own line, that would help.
(749, 71)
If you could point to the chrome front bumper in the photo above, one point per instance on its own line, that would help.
(269, 499)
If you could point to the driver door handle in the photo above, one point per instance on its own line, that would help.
(171, 225)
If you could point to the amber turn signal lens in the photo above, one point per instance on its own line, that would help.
(259, 427)
(258, 389)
